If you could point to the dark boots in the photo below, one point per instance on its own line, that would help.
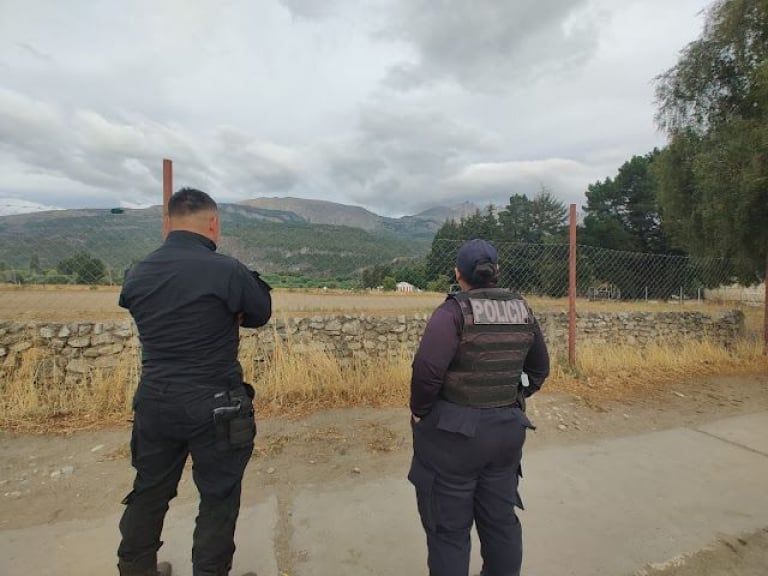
(160, 569)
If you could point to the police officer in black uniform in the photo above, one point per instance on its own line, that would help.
(188, 303)
(469, 425)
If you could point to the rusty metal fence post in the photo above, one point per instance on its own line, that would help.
(572, 288)
(167, 190)
(765, 310)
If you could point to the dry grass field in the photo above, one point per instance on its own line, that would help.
(62, 304)
(69, 303)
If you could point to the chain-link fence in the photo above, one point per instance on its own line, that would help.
(542, 270)
(70, 264)
(95, 247)
(75, 247)
(69, 250)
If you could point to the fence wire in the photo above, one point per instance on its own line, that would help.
(542, 270)
(92, 248)
(96, 247)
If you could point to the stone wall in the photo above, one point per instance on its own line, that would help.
(71, 349)
(75, 348)
(643, 328)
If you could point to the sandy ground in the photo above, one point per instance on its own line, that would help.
(48, 481)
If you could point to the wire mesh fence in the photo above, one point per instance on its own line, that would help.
(95, 247)
(542, 270)
(74, 249)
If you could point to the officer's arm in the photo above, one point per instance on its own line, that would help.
(249, 298)
(124, 300)
(436, 351)
(536, 363)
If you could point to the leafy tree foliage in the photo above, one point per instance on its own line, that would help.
(85, 268)
(401, 270)
(541, 220)
(34, 264)
(373, 277)
(623, 213)
(713, 104)
(538, 221)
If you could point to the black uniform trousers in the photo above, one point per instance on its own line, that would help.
(465, 468)
(169, 425)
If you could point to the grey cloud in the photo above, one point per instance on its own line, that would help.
(122, 157)
(247, 166)
(310, 9)
(303, 103)
(564, 177)
(490, 44)
(397, 158)
(405, 162)
(35, 52)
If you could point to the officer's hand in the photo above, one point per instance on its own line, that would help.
(415, 419)
(240, 318)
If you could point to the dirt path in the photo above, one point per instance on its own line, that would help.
(730, 556)
(82, 477)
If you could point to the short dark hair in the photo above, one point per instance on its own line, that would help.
(188, 201)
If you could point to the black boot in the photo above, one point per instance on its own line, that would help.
(130, 569)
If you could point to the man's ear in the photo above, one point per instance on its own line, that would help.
(214, 226)
(166, 225)
(456, 272)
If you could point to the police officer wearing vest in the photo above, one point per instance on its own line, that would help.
(188, 303)
(469, 425)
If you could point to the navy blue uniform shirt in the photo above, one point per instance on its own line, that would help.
(185, 299)
(438, 347)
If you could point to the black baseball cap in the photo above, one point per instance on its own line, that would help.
(473, 253)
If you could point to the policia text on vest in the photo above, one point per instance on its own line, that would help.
(487, 311)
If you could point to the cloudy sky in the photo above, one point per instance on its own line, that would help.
(396, 105)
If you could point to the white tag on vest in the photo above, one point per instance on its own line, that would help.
(499, 311)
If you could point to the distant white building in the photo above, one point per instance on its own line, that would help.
(405, 287)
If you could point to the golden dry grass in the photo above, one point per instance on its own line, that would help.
(70, 303)
(36, 396)
(298, 380)
(625, 372)
(304, 380)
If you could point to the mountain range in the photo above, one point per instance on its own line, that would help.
(324, 212)
(310, 238)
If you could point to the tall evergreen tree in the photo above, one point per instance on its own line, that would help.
(623, 213)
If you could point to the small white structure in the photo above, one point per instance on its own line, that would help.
(405, 287)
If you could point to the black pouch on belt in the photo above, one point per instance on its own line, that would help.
(234, 417)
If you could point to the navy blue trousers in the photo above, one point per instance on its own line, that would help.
(465, 468)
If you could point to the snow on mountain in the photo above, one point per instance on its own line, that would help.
(11, 206)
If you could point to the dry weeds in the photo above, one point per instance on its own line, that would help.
(296, 381)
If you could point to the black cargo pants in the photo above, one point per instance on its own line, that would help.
(168, 426)
(465, 468)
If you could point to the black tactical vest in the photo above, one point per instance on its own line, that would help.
(498, 332)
